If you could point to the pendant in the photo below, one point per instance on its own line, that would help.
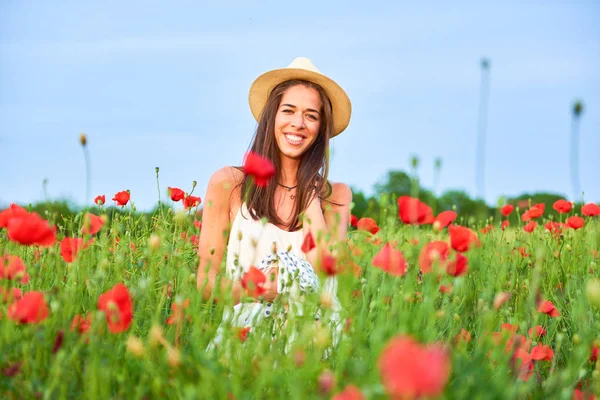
(292, 196)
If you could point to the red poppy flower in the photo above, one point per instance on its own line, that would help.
(351, 392)
(178, 311)
(547, 307)
(530, 227)
(100, 200)
(176, 194)
(12, 268)
(507, 209)
(367, 224)
(329, 265)
(461, 238)
(117, 306)
(242, 333)
(198, 224)
(562, 206)
(463, 336)
(81, 324)
(414, 211)
(69, 247)
(523, 251)
(122, 198)
(444, 219)
(524, 364)
(501, 298)
(29, 309)
(542, 353)
(308, 244)
(14, 210)
(458, 266)
(191, 201)
(486, 229)
(554, 227)
(390, 260)
(505, 224)
(589, 210)
(253, 281)
(575, 222)
(353, 220)
(8, 296)
(195, 240)
(512, 328)
(409, 369)
(432, 251)
(260, 168)
(595, 352)
(31, 229)
(579, 394)
(446, 288)
(534, 212)
(536, 332)
(91, 224)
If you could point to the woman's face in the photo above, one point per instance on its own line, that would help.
(297, 120)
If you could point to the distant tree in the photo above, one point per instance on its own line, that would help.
(397, 182)
(361, 202)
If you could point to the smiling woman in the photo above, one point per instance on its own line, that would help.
(298, 110)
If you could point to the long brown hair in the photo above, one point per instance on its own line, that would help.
(314, 165)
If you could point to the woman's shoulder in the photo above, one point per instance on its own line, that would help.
(227, 175)
(224, 183)
(340, 193)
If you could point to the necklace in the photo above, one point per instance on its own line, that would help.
(289, 188)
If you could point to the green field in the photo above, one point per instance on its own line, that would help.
(409, 334)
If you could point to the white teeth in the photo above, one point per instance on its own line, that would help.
(294, 139)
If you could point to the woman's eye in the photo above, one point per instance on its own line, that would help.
(287, 111)
(312, 117)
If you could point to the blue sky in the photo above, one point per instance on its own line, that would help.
(165, 84)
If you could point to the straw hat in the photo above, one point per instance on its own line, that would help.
(302, 68)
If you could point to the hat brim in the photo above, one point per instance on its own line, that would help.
(340, 102)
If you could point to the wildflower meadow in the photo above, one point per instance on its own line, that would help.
(105, 305)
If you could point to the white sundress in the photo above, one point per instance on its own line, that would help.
(266, 246)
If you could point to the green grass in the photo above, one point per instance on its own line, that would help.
(99, 364)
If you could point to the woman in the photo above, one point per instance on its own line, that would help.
(298, 110)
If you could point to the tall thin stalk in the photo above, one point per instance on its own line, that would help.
(577, 110)
(88, 167)
(481, 128)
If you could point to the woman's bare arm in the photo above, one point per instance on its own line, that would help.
(214, 234)
(216, 224)
(328, 219)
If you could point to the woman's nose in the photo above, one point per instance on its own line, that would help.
(297, 120)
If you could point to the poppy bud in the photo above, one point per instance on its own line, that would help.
(154, 241)
(135, 346)
(156, 169)
(326, 300)
(83, 139)
(299, 358)
(322, 336)
(577, 108)
(326, 381)
(173, 357)
(156, 335)
(414, 161)
(593, 292)
(576, 339)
